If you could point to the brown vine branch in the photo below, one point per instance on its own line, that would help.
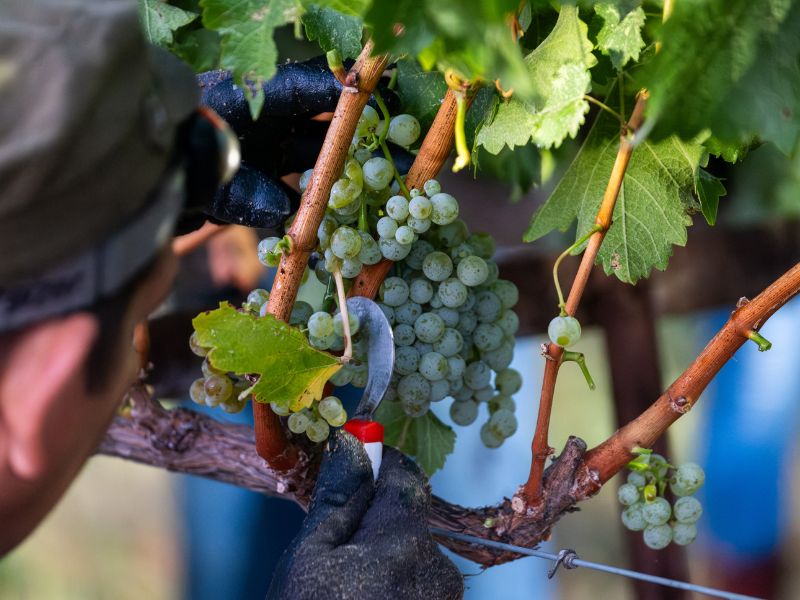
(271, 441)
(188, 442)
(532, 490)
(609, 457)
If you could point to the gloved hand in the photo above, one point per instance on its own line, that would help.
(363, 539)
(283, 140)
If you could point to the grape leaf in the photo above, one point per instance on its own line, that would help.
(160, 20)
(731, 67)
(651, 213)
(248, 50)
(620, 40)
(420, 92)
(289, 368)
(333, 30)
(425, 438)
(199, 48)
(709, 190)
(354, 8)
(559, 69)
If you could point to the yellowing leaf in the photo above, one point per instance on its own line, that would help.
(290, 370)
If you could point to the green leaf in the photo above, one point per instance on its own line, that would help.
(199, 48)
(651, 213)
(559, 70)
(709, 190)
(333, 30)
(248, 49)
(354, 8)
(160, 20)
(621, 40)
(425, 438)
(420, 92)
(290, 370)
(731, 67)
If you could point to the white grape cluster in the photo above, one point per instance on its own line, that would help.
(648, 511)
(216, 388)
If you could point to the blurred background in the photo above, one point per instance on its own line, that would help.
(129, 531)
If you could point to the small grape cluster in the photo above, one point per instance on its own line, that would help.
(215, 387)
(646, 508)
(317, 420)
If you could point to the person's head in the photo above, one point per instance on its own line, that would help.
(90, 188)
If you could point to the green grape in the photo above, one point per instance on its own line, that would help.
(397, 209)
(477, 375)
(332, 262)
(422, 347)
(501, 402)
(386, 227)
(301, 313)
(429, 328)
(403, 130)
(394, 291)
(632, 517)
(678, 490)
(456, 385)
(657, 512)
(279, 410)
(367, 122)
(360, 375)
(320, 325)
(659, 465)
(487, 336)
(378, 173)
(436, 302)
(444, 209)
(419, 250)
(393, 250)
(329, 407)
(453, 234)
(503, 423)
(420, 207)
(687, 510)
(325, 230)
(450, 343)
(218, 389)
(488, 307)
(499, 358)
(564, 331)
(437, 266)
(305, 178)
(404, 235)
(450, 316)
(322, 343)
(343, 193)
(493, 272)
(657, 537)
(483, 243)
(388, 311)
(415, 409)
(353, 321)
(452, 293)
(508, 381)
(406, 360)
(467, 322)
(318, 430)
(351, 267)
(472, 271)
(255, 300)
(489, 438)
(462, 394)
(628, 494)
(689, 476)
(199, 350)
(439, 390)
(637, 479)
(506, 291)
(683, 534)
(403, 334)
(508, 322)
(432, 188)
(485, 394)
(407, 312)
(469, 301)
(339, 419)
(433, 366)
(337, 345)
(419, 225)
(197, 391)
(460, 252)
(420, 291)
(464, 413)
(370, 253)
(265, 252)
(345, 242)
(414, 388)
(455, 367)
(233, 405)
(342, 377)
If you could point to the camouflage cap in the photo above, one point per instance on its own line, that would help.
(87, 126)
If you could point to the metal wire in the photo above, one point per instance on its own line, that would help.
(569, 560)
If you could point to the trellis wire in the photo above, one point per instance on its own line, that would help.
(569, 559)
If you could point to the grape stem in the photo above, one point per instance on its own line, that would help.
(462, 151)
(385, 147)
(763, 343)
(347, 355)
(605, 107)
(531, 492)
(579, 358)
(578, 243)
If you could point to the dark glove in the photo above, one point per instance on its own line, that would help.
(363, 539)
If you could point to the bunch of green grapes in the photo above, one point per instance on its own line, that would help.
(215, 387)
(646, 508)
